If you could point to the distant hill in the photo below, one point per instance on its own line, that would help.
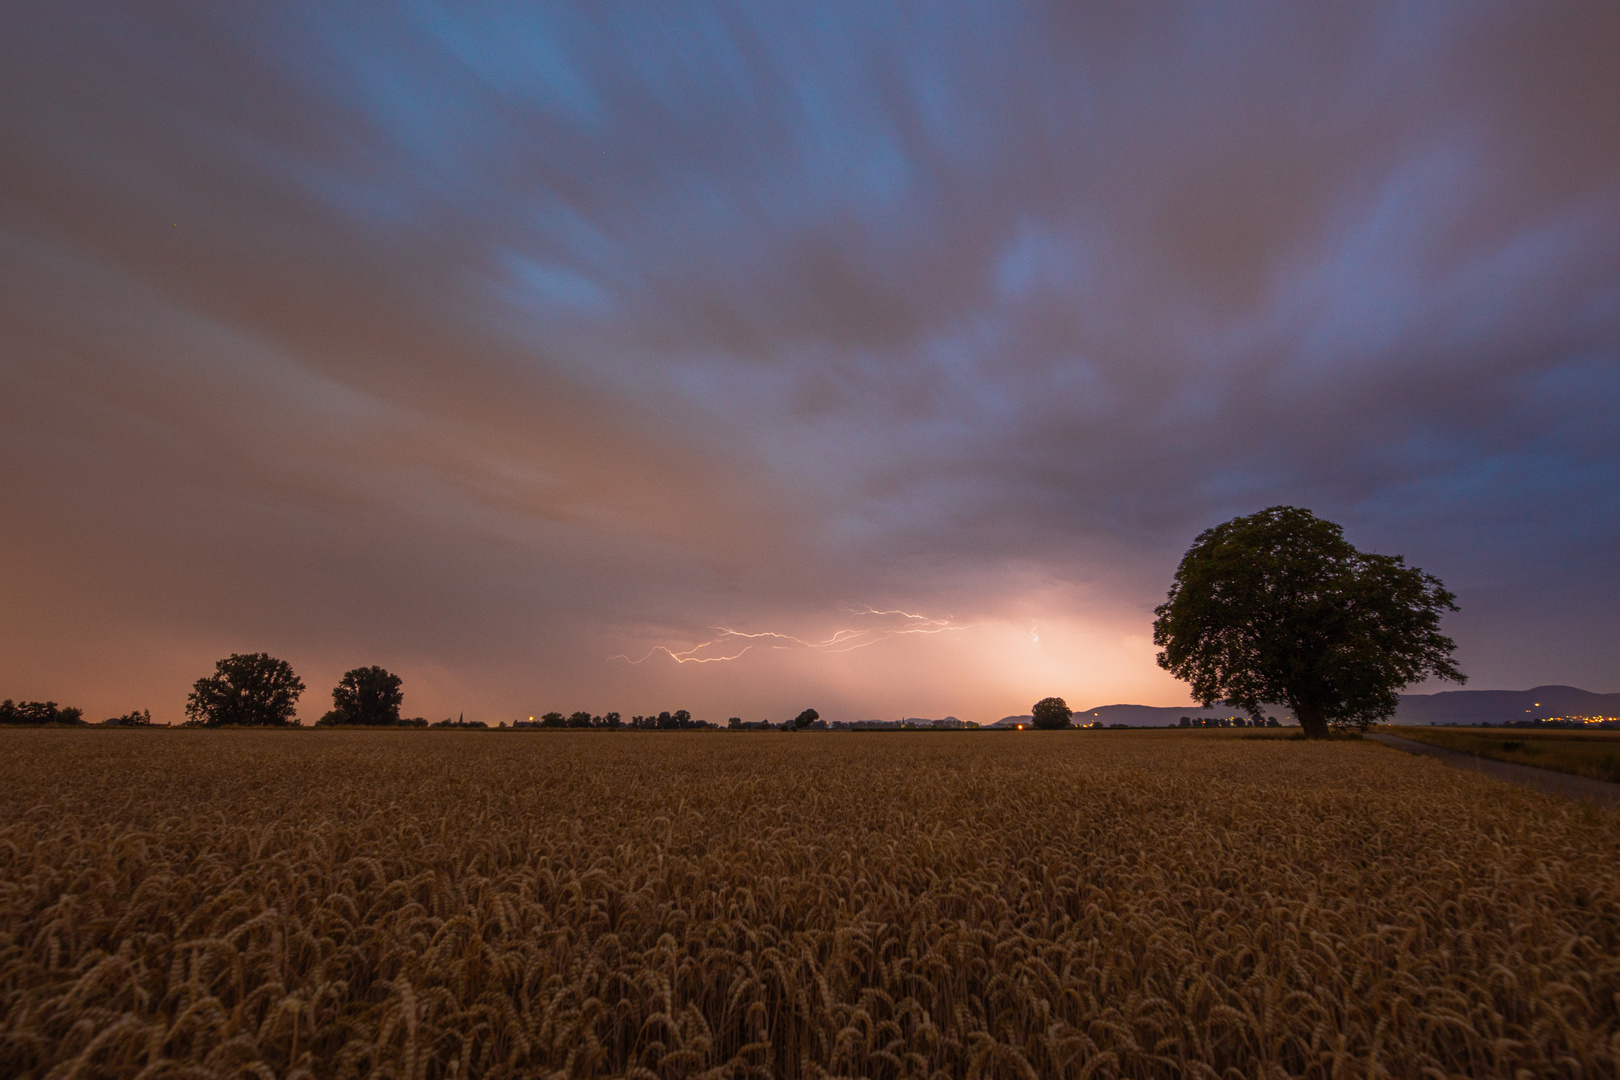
(1446, 707)
(1501, 706)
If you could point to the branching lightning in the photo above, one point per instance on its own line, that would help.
(895, 623)
(686, 656)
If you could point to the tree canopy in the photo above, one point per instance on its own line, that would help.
(1279, 607)
(805, 719)
(246, 688)
(1051, 713)
(38, 712)
(368, 695)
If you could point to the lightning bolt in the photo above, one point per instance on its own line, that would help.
(684, 657)
(844, 640)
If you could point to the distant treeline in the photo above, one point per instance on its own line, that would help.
(48, 713)
(1225, 721)
(260, 690)
(39, 712)
(679, 720)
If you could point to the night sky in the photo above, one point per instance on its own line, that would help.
(528, 355)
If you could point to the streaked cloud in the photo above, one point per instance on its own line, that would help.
(491, 345)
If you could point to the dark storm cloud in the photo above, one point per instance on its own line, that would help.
(497, 343)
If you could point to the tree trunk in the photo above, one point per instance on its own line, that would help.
(1312, 721)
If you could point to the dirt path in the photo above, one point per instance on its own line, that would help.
(1554, 783)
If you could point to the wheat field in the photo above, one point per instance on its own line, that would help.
(1063, 904)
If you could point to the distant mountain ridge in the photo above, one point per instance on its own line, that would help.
(1501, 706)
(1446, 707)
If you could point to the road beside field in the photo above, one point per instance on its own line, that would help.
(1553, 783)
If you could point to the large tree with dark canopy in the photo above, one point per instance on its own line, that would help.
(368, 695)
(1051, 714)
(1279, 607)
(252, 689)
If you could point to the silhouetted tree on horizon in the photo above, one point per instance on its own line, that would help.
(1051, 714)
(247, 689)
(1279, 607)
(369, 696)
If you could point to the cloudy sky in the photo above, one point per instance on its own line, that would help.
(543, 358)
